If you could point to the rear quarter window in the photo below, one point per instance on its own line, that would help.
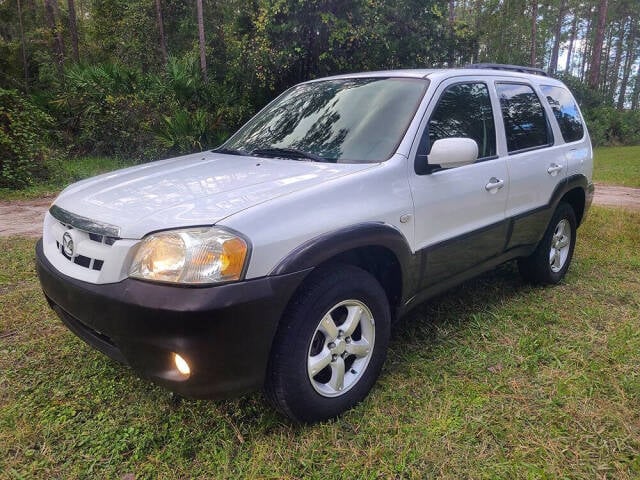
(566, 112)
(525, 122)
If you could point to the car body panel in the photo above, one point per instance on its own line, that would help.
(378, 194)
(199, 189)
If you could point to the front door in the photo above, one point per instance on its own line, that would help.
(460, 212)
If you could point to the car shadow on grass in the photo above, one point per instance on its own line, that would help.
(424, 324)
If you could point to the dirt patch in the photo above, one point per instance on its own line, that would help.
(24, 217)
(614, 196)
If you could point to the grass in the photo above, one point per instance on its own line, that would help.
(495, 379)
(617, 166)
(63, 173)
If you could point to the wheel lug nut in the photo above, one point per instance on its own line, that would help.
(340, 333)
(348, 339)
(334, 358)
(331, 346)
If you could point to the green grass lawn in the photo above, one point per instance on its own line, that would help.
(617, 166)
(496, 379)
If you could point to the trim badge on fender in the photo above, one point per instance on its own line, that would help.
(67, 244)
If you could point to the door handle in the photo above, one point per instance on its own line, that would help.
(553, 169)
(494, 185)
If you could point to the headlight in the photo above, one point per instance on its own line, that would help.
(194, 256)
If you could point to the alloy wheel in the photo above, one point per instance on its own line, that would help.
(341, 348)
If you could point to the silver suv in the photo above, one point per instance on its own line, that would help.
(280, 259)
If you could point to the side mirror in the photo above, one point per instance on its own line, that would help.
(453, 152)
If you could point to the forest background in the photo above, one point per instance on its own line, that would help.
(145, 79)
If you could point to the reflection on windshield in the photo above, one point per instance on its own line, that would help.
(348, 120)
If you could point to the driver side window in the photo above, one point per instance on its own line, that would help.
(464, 110)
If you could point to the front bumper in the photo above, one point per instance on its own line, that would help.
(224, 332)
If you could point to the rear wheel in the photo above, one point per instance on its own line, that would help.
(330, 346)
(549, 263)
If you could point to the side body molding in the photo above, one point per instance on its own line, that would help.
(527, 228)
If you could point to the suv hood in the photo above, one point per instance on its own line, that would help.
(199, 189)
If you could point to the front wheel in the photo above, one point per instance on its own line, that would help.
(550, 261)
(330, 346)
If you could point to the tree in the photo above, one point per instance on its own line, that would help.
(572, 38)
(163, 40)
(586, 41)
(57, 44)
(118, 31)
(613, 76)
(23, 47)
(452, 31)
(630, 58)
(73, 29)
(203, 56)
(596, 52)
(553, 64)
(534, 25)
(635, 97)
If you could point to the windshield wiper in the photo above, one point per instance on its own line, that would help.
(290, 153)
(229, 151)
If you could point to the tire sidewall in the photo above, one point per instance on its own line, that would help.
(563, 212)
(291, 347)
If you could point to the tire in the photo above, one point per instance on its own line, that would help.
(329, 327)
(549, 262)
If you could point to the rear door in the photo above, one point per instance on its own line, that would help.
(537, 163)
(459, 212)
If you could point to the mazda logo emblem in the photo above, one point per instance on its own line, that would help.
(67, 244)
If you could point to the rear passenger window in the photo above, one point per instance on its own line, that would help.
(464, 110)
(566, 112)
(525, 123)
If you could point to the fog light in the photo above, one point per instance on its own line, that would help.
(181, 364)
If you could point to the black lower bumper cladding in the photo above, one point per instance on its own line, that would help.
(224, 332)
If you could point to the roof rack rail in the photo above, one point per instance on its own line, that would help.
(514, 68)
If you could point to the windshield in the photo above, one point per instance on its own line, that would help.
(355, 120)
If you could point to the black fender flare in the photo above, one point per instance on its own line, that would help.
(570, 183)
(319, 249)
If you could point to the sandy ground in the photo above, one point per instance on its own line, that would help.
(24, 217)
(614, 196)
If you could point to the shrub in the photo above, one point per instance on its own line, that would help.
(23, 140)
(111, 110)
(106, 110)
(610, 127)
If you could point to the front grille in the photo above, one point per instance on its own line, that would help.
(85, 249)
(102, 239)
(79, 259)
